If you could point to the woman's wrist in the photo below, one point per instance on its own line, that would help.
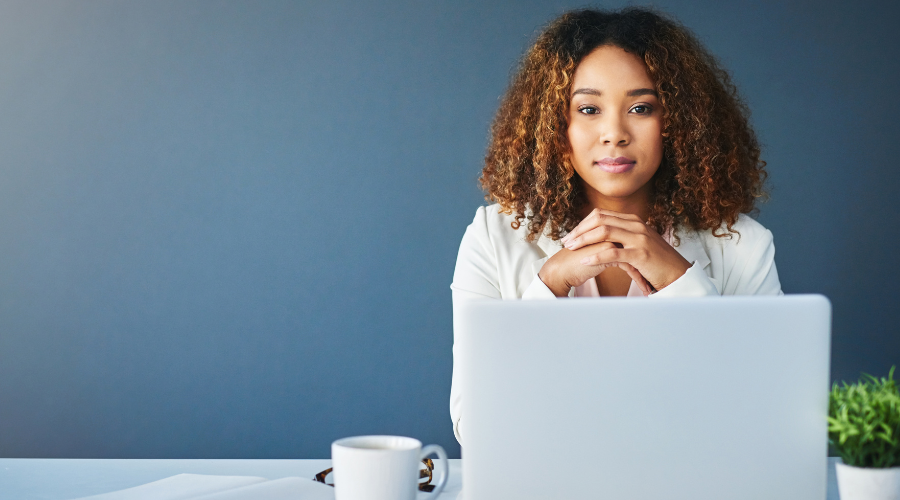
(676, 271)
(548, 276)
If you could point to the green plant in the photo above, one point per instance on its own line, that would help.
(864, 422)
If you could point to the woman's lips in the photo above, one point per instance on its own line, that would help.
(615, 165)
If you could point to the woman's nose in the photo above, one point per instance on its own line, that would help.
(613, 132)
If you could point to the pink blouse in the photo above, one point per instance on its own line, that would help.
(589, 289)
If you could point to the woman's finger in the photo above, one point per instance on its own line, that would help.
(607, 253)
(637, 277)
(603, 232)
(596, 219)
(586, 224)
(621, 215)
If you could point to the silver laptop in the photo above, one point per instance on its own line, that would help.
(715, 398)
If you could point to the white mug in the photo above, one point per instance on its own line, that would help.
(381, 467)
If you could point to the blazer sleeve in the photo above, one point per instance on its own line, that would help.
(476, 274)
(475, 277)
(693, 283)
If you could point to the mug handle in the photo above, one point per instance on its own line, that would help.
(445, 465)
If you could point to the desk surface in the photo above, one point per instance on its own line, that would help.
(62, 479)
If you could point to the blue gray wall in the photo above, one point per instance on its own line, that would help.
(227, 229)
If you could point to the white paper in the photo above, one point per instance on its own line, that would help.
(180, 487)
(287, 488)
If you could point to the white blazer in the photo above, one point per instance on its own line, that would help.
(496, 262)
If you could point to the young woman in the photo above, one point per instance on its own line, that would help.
(621, 163)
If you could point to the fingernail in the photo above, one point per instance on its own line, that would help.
(586, 260)
(569, 244)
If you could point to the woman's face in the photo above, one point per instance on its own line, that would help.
(615, 127)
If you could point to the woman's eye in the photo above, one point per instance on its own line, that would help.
(588, 110)
(641, 109)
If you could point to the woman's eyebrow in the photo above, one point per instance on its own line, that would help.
(637, 92)
(588, 91)
(630, 93)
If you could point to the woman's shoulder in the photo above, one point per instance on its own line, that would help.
(492, 220)
(495, 259)
(746, 235)
(741, 262)
(496, 232)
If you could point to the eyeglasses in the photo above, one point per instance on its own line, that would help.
(427, 472)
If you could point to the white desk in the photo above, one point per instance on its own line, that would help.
(63, 479)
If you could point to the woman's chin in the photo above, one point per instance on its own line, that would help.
(618, 192)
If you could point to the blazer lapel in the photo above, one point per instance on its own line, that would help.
(549, 246)
(691, 249)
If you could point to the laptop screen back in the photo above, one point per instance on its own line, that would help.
(710, 398)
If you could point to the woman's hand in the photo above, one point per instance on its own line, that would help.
(565, 270)
(606, 238)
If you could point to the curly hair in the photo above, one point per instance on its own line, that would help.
(711, 170)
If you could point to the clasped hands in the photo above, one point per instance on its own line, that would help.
(612, 239)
